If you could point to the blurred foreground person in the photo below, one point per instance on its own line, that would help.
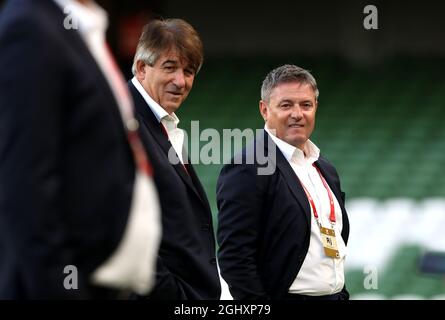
(79, 214)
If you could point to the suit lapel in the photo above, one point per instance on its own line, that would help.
(153, 125)
(291, 178)
(297, 189)
(197, 184)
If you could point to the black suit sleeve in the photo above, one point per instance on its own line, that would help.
(167, 286)
(31, 168)
(239, 199)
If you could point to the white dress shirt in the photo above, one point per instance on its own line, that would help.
(132, 264)
(319, 274)
(170, 122)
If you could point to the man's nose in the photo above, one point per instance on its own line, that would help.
(179, 80)
(296, 112)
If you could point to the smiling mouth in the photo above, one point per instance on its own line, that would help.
(175, 93)
(296, 125)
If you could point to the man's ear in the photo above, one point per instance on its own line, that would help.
(140, 70)
(263, 110)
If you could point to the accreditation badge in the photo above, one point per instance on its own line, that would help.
(329, 242)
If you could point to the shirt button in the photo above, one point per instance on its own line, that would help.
(205, 227)
(213, 260)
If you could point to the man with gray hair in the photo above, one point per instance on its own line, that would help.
(168, 56)
(284, 235)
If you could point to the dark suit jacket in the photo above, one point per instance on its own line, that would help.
(66, 169)
(186, 266)
(264, 222)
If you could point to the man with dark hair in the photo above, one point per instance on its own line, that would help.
(283, 234)
(169, 55)
(79, 214)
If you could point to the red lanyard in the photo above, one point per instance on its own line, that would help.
(331, 198)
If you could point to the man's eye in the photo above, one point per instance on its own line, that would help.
(169, 68)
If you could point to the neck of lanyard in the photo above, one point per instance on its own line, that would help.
(331, 199)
